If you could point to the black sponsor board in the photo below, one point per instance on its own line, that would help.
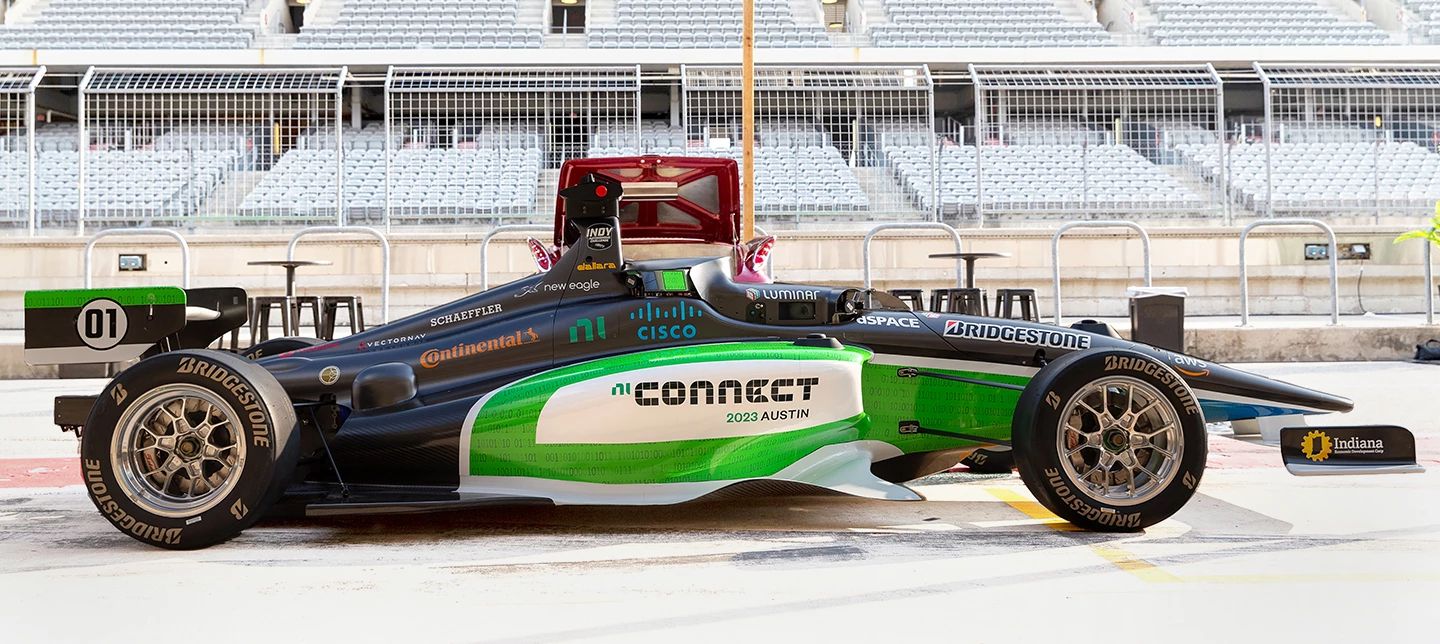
(1353, 449)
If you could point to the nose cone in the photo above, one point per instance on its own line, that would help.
(1232, 394)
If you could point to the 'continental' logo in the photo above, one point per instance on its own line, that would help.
(433, 357)
(703, 392)
(596, 266)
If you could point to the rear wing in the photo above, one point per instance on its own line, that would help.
(83, 326)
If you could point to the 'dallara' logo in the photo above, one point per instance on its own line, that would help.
(1316, 446)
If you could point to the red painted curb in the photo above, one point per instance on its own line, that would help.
(39, 472)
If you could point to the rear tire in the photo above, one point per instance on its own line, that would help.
(1110, 439)
(187, 449)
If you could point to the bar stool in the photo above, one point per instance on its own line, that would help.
(260, 317)
(912, 297)
(297, 311)
(965, 301)
(1006, 298)
(354, 312)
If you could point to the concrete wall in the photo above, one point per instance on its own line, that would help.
(430, 269)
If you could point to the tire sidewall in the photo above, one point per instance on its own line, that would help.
(266, 422)
(1038, 419)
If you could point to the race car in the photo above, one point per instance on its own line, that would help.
(607, 380)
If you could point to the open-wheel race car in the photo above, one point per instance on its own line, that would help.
(607, 380)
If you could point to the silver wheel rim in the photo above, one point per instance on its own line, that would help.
(1120, 441)
(178, 450)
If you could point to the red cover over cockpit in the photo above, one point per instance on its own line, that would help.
(666, 199)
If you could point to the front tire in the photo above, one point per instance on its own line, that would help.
(187, 449)
(1110, 440)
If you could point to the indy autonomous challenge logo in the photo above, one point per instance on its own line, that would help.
(597, 237)
(722, 399)
(1016, 334)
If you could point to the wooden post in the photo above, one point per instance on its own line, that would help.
(747, 107)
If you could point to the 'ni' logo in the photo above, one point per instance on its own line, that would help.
(598, 326)
(620, 389)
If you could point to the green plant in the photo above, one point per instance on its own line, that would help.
(1433, 234)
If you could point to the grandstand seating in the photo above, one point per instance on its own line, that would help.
(133, 24)
(965, 23)
(1335, 175)
(1043, 177)
(168, 181)
(1257, 22)
(1428, 14)
(698, 24)
(455, 24)
(492, 173)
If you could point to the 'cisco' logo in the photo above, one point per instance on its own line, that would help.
(679, 315)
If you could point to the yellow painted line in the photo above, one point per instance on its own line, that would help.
(1032, 509)
(1143, 570)
(1124, 560)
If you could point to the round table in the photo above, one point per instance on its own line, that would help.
(290, 266)
(969, 262)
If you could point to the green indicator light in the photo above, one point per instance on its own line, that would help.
(673, 281)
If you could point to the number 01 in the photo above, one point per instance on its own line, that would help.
(95, 326)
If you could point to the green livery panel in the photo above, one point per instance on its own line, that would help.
(716, 412)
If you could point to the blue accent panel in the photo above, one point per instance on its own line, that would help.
(1216, 411)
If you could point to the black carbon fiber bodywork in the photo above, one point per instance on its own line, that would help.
(591, 305)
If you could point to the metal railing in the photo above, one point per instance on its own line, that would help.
(485, 246)
(865, 246)
(1429, 286)
(363, 230)
(1334, 281)
(114, 232)
(1055, 250)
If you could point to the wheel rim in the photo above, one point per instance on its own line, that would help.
(1120, 440)
(178, 450)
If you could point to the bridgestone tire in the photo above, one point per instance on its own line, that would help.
(278, 346)
(1055, 479)
(210, 392)
(990, 461)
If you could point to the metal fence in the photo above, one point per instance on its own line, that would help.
(1344, 140)
(17, 146)
(1097, 141)
(470, 142)
(848, 143)
(190, 146)
(464, 146)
